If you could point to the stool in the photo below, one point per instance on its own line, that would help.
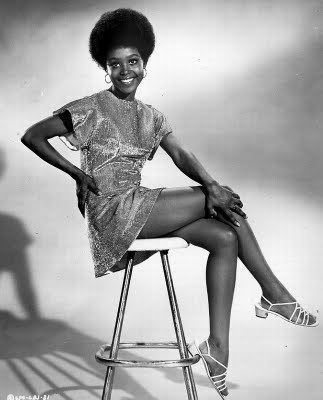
(185, 362)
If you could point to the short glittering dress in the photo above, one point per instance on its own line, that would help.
(115, 137)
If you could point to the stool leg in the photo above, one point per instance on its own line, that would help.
(187, 371)
(118, 326)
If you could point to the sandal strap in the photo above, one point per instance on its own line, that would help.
(304, 318)
(221, 387)
(217, 376)
(305, 314)
(298, 308)
(301, 311)
(209, 355)
(220, 383)
(277, 304)
(219, 380)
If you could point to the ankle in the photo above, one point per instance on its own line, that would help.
(267, 296)
(219, 343)
(275, 292)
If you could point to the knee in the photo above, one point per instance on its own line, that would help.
(229, 236)
(225, 238)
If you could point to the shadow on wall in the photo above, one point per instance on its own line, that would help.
(13, 244)
(48, 348)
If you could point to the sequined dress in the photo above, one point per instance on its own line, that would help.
(115, 137)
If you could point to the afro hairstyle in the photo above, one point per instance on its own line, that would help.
(121, 27)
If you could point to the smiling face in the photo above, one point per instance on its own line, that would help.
(126, 70)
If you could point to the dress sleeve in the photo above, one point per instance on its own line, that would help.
(81, 114)
(162, 129)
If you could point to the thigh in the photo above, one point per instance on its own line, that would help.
(173, 209)
(181, 212)
(208, 233)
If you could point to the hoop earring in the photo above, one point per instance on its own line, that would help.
(105, 78)
(145, 72)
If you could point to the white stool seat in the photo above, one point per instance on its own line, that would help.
(163, 243)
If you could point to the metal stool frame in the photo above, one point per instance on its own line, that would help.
(112, 362)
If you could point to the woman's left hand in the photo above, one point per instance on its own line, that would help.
(219, 200)
(244, 215)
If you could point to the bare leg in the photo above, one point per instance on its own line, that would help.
(181, 212)
(181, 205)
(183, 208)
(177, 207)
(221, 242)
(251, 256)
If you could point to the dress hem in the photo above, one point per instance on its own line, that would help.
(109, 271)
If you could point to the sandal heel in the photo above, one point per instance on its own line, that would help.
(260, 312)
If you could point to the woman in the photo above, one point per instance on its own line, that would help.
(116, 134)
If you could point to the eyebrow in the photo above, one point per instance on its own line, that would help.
(114, 58)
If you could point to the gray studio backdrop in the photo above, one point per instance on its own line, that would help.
(241, 84)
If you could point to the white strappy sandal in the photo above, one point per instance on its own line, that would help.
(215, 379)
(303, 315)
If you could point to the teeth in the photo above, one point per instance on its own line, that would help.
(127, 80)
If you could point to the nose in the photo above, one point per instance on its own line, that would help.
(124, 68)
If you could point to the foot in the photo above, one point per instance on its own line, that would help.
(219, 354)
(286, 310)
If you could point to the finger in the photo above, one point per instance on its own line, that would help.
(80, 203)
(79, 195)
(213, 214)
(94, 189)
(239, 211)
(86, 194)
(239, 203)
(83, 195)
(230, 216)
(81, 208)
(235, 195)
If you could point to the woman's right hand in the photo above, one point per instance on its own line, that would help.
(36, 138)
(84, 183)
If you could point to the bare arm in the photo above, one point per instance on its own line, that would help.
(217, 196)
(36, 139)
(186, 161)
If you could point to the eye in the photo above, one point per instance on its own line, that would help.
(114, 65)
(133, 61)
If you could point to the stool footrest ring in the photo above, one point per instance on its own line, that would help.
(183, 362)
